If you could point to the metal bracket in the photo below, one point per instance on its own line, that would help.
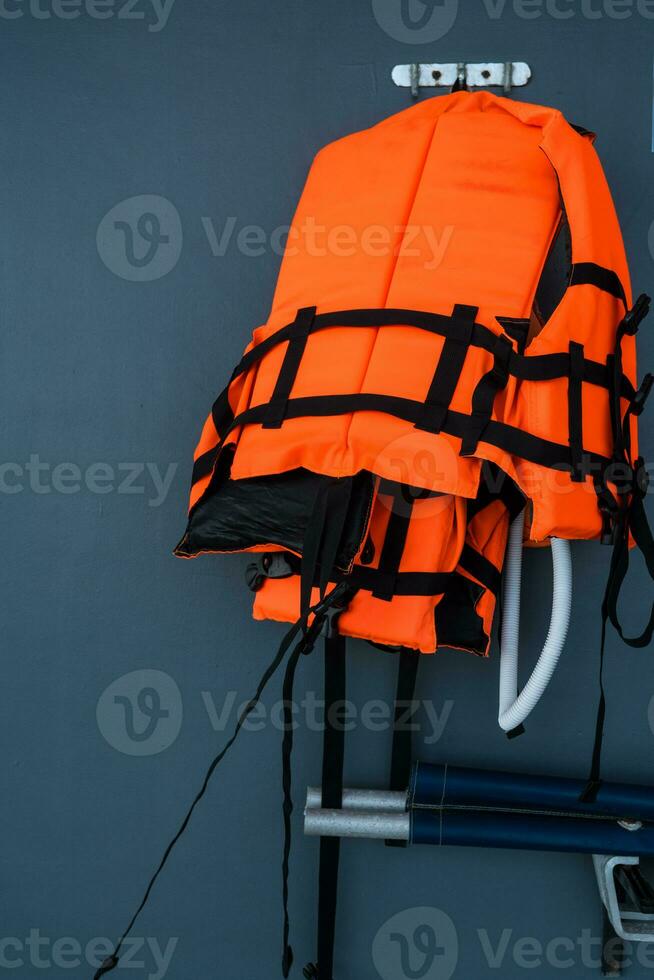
(491, 74)
(628, 901)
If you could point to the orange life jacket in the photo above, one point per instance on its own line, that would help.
(444, 337)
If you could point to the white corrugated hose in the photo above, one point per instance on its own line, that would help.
(514, 707)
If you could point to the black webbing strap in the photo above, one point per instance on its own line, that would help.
(496, 485)
(594, 782)
(481, 568)
(300, 331)
(366, 579)
(407, 490)
(575, 411)
(636, 406)
(636, 524)
(545, 367)
(628, 519)
(510, 438)
(622, 519)
(402, 745)
(591, 274)
(484, 395)
(332, 603)
(221, 412)
(436, 323)
(332, 799)
(448, 369)
(628, 328)
(392, 549)
(322, 537)
(291, 636)
(542, 367)
(321, 541)
(287, 807)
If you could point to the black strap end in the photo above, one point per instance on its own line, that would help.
(310, 971)
(641, 396)
(107, 966)
(287, 961)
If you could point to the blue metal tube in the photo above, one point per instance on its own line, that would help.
(440, 785)
(528, 831)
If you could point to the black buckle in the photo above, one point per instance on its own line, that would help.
(609, 511)
(627, 479)
(266, 566)
(330, 608)
(329, 625)
(635, 316)
(325, 616)
(638, 401)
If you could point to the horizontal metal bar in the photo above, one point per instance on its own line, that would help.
(372, 800)
(374, 825)
(484, 74)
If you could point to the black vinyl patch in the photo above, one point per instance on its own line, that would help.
(458, 624)
(275, 509)
(556, 274)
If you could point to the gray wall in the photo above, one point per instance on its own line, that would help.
(220, 112)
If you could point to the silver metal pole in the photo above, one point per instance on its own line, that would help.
(375, 825)
(372, 800)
